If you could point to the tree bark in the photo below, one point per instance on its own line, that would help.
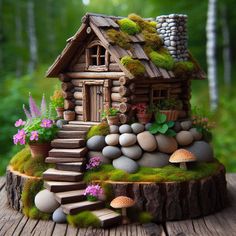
(211, 53)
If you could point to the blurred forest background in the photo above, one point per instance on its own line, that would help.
(33, 33)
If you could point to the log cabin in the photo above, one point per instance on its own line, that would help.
(93, 75)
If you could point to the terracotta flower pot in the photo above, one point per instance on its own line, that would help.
(144, 118)
(69, 115)
(60, 111)
(170, 114)
(40, 149)
(113, 120)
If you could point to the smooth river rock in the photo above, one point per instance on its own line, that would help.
(59, 216)
(147, 126)
(154, 159)
(137, 128)
(166, 144)
(186, 125)
(126, 164)
(202, 150)
(125, 129)
(104, 160)
(133, 152)
(45, 201)
(147, 141)
(112, 139)
(60, 123)
(96, 143)
(127, 140)
(196, 134)
(111, 152)
(184, 138)
(114, 129)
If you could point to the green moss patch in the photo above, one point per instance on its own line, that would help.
(119, 38)
(100, 129)
(83, 220)
(30, 189)
(144, 217)
(128, 26)
(24, 163)
(183, 68)
(135, 67)
(147, 174)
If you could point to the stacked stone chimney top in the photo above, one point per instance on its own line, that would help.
(173, 31)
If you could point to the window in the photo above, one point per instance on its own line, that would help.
(159, 94)
(97, 58)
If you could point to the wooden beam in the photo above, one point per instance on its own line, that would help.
(92, 75)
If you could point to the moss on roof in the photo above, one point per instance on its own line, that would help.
(128, 26)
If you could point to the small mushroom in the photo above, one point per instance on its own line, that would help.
(123, 202)
(182, 156)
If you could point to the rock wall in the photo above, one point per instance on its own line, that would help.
(173, 30)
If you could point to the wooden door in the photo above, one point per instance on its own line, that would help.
(95, 102)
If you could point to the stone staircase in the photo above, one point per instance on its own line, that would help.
(66, 180)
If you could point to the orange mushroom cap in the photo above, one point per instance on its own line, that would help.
(182, 155)
(122, 202)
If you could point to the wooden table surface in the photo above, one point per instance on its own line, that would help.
(222, 223)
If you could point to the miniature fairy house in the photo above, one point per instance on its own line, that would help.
(116, 62)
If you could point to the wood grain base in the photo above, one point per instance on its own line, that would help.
(14, 185)
(177, 200)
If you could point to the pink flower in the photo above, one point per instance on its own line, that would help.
(19, 138)
(34, 136)
(19, 122)
(94, 190)
(46, 123)
(94, 162)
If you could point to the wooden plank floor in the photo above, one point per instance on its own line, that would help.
(220, 224)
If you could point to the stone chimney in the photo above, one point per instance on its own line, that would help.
(173, 30)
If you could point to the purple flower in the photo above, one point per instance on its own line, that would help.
(94, 162)
(19, 138)
(94, 191)
(19, 122)
(27, 113)
(34, 136)
(46, 123)
(35, 112)
(43, 106)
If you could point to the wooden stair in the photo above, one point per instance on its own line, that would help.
(66, 180)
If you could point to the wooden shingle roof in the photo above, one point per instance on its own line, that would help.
(100, 24)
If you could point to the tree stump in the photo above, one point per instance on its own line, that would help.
(177, 200)
(14, 185)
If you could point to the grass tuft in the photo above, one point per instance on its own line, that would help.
(100, 129)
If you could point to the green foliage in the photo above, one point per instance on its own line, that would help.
(57, 99)
(160, 125)
(100, 129)
(24, 163)
(30, 189)
(128, 26)
(119, 38)
(108, 191)
(170, 104)
(84, 219)
(147, 174)
(145, 217)
(111, 111)
(135, 67)
(183, 69)
(162, 60)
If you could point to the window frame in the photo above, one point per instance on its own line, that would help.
(156, 100)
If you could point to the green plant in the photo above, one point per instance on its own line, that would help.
(100, 129)
(111, 111)
(144, 217)
(170, 104)
(30, 189)
(119, 38)
(128, 26)
(84, 219)
(57, 99)
(135, 67)
(162, 126)
(163, 60)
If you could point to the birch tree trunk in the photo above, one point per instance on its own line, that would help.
(211, 53)
(226, 46)
(33, 52)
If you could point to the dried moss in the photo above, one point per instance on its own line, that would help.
(128, 26)
(152, 40)
(163, 60)
(100, 129)
(119, 38)
(30, 189)
(135, 67)
(24, 163)
(183, 69)
(84, 219)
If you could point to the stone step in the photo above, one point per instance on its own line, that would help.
(76, 127)
(64, 159)
(63, 152)
(74, 122)
(70, 166)
(61, 175)
(74, 208)
(68, 143)
(57, 186)
(71, 134)
(70, 196)
(108, 217)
